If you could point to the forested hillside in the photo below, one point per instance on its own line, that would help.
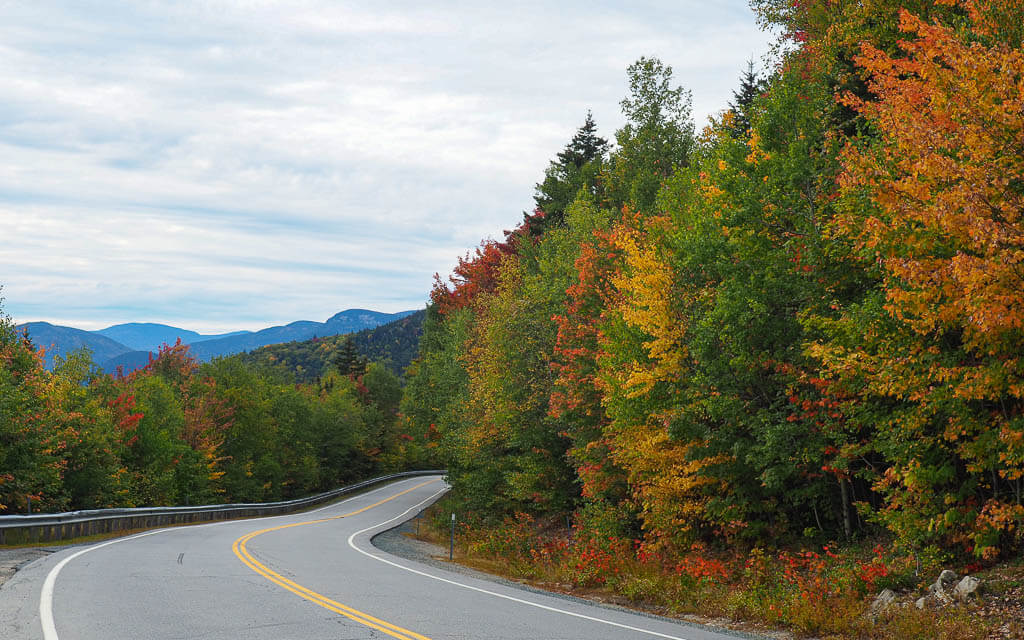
(801, 322)
(393, 345)
(177, 432)
(348, 321)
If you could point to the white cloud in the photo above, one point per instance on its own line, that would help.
(236, 164)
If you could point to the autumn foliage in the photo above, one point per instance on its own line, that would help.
(177, 432)
(935, 203)
(809, 328)
(802, 324)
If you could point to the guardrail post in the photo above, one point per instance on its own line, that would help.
(451, 544)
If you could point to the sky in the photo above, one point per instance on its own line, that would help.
(232, 164)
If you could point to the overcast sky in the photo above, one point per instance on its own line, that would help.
(238, 164)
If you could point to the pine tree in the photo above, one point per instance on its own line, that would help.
(751, 88)
(584, 146)
(348, 361)
(573, 169)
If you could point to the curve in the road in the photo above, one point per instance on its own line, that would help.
(297, 552)
(376, 623)
(46, 619)
(353, 614)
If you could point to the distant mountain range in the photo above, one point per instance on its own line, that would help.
(129, 345)
(148, 336)
(394, 345)
(58, 340)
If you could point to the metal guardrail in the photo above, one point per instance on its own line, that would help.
(52, 527)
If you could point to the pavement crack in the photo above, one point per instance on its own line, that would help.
(181, 556)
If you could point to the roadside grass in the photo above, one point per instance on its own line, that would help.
(824, 593)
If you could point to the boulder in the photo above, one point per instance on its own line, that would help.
(967, 589)
(939, 589)
(883, 601)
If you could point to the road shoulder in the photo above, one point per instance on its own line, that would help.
(11, 560)
(398, 541)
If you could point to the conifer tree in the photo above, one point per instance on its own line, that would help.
(751, 87)
(348, 361)
(584, 146)
(574, 168)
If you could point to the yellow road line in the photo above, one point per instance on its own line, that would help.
(363, 618)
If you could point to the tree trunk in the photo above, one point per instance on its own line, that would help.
(844, 488)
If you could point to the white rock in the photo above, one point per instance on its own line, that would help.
(967, 588)
(883, 601)
(939, 588)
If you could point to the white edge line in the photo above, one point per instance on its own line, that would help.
(46, 593)
(351, 543)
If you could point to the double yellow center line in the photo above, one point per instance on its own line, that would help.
(363, 618)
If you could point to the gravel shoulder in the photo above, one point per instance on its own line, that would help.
(13, 559)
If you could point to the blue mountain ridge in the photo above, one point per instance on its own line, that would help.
(348, 321)
(60, 341)
(110, 354)
(148, 336)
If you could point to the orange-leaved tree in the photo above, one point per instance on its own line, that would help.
(934, 201)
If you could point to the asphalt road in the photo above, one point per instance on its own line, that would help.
(310, 575)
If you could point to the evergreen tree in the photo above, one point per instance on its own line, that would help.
(348, 361)
(575, 167)
(751, 87)
(584, 146)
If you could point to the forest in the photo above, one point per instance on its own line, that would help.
(798, 324)
(177, 433)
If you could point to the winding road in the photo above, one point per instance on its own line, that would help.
(309, 575)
